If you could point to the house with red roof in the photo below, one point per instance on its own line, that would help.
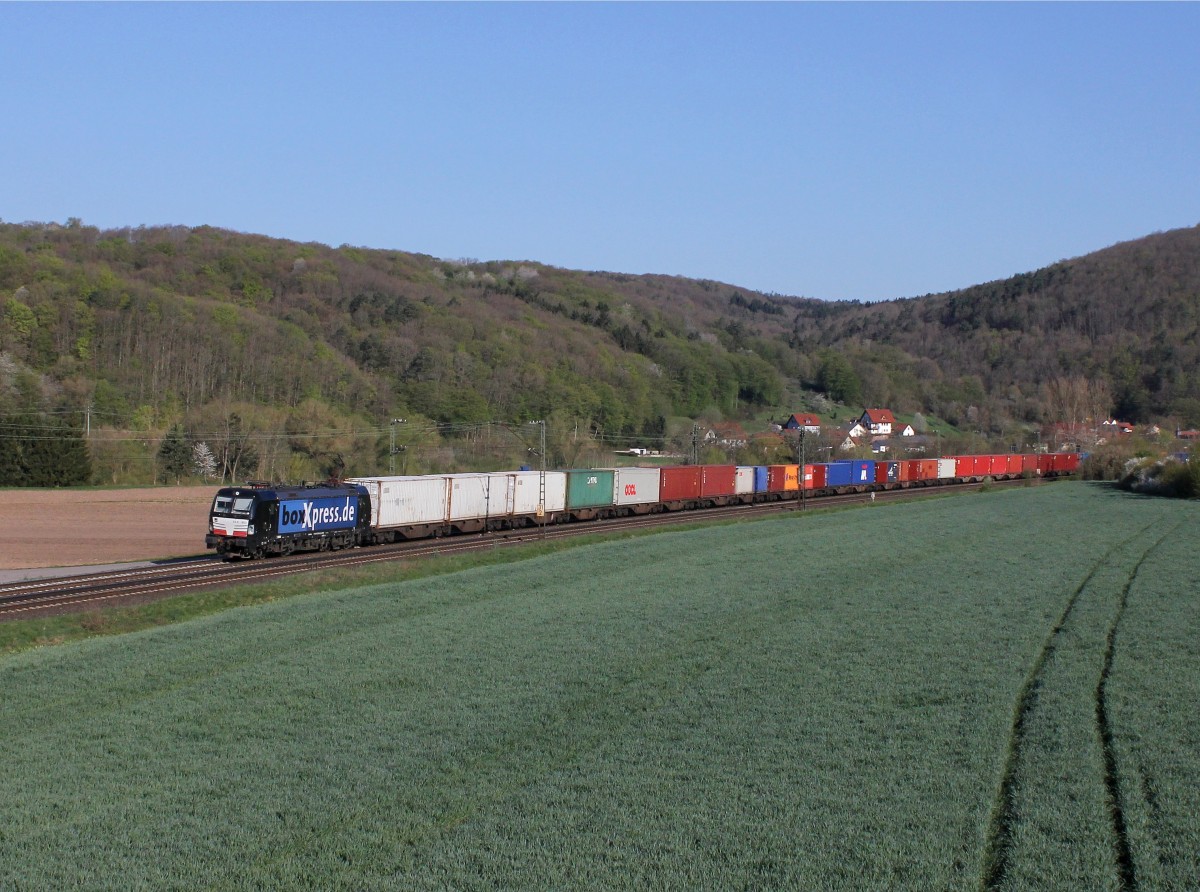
(878, 422)
(803, 421)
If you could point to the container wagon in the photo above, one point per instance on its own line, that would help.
(590, 493)
(680, 487)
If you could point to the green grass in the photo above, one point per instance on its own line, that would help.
(837, 701)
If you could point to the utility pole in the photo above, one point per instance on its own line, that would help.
(541, 510)
(392, 452)
(802, 455)
(695, 444)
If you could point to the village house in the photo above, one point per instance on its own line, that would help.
(727, 436)
(854, 429)
(1112, 427)
(849, 441)
(909, 444)
(805, 421)
(878, 422)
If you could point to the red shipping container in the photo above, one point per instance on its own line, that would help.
(679, 483)
(1045, 463)
(1029, 462)
(1066, 462)
(814, 476)
(997, 465)
(964, 466)
(1015, 466)
(783, 478)
(926, 469)
(718, 480)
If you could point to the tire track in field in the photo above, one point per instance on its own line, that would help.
(1112, 785)
(999, 839)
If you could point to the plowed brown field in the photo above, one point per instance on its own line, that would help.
(64, 528)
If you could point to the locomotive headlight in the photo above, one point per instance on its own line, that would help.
(250, 529)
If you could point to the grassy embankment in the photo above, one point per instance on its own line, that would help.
(954, 694)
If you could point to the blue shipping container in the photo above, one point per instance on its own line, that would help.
(864, 471)
(761, 476)
(840, 473)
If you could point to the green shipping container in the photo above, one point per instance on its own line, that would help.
(589, 489)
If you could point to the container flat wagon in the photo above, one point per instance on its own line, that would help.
(636, 490)
(590, 493)
(680, 487)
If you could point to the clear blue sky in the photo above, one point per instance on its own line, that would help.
(835, 151)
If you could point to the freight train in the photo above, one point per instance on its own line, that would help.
(257, 520)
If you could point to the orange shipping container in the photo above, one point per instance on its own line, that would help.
(783, 478)
(925, 469)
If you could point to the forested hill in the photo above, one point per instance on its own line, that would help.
(1125, 319)
(156, 326)
(222, 334)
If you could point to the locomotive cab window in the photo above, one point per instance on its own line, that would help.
(235, 505)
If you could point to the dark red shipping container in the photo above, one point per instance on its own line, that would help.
(1029, 462)
(679, 483)
(814, 476)
(718, 480)
(1045, 463)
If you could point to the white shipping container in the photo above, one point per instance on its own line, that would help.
(469, 496)
(743, 481)
(635, 486)
(945, 468)
(524, 490)
(404, 501)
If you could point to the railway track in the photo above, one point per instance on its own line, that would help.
(90, 591)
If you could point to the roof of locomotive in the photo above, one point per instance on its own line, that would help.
(274, 491)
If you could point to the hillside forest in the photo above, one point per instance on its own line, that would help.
(160, 353)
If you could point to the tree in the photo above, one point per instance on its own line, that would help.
(838, 380)
(174, 456)
(203, 461)
(44, 452)
(12, 469)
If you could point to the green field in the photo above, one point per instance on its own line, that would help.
(987, 691)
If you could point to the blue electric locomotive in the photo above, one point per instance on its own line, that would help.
(259, 520)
